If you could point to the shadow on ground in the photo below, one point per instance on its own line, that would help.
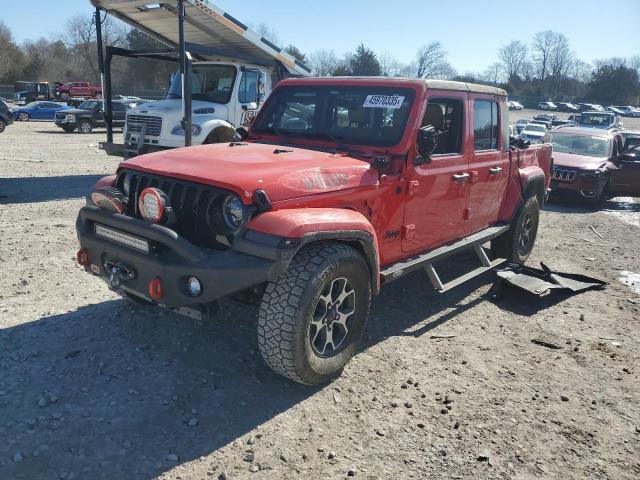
(568, 204)
(44, 189)
(108, 391)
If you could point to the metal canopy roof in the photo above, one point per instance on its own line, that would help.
(205, 25)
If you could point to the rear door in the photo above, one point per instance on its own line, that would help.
(625, 179)
(437, 190)
(489, 161)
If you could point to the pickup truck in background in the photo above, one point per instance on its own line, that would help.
(340, 186)
(90, 114)
(79, 89)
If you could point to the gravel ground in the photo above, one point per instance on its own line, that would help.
(446, 386)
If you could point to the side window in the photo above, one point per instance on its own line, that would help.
(248, 91)
(446, 116)
(119, 107)
(485, 125)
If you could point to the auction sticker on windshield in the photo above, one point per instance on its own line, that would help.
(385, 101)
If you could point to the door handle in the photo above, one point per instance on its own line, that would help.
(495, 170)
(461, 177)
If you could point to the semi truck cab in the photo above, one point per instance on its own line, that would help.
(224, 95)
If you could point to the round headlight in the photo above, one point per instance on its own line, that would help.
(233, 211)
(152, 204)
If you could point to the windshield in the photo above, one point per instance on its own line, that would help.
(580, 144)
(89, 105)
(210, 83)
(365, 115)
(596, 119)
(532, 127)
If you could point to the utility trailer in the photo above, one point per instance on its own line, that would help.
(225, 73)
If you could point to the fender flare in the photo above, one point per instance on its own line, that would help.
(310, 225)
(210, 125)
(533, 182)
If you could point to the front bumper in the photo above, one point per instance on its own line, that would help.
(584, 186)
(173, 259)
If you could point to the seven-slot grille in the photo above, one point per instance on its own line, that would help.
(563, 174)
(154, 124)
(192, 204)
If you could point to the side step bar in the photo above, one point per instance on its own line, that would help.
(426, 260)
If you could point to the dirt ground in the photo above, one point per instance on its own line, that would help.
(446, 386)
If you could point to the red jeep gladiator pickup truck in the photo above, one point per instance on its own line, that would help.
(79, 89)
(340, 186)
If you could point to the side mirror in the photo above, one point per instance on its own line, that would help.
(242, 132)
(426, 144)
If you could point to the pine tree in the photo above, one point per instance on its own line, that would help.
(364, 62)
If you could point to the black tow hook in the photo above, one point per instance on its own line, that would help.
(117, 273)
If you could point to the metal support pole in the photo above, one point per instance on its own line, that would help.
(185, 67)
(106, 95)
(106, 98)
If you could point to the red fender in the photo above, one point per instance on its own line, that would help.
(108, 181)
(315, 224)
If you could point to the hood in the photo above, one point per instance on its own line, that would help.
(532, 133)
(292, 173)
(581, 162)
(74, 111)
(171, 105)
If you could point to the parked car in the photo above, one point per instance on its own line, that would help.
(545, 123)
(567, 107)
(6, 115)
(626, 111)
(38, 111)
(534, 133)
(631, 139)
(27, 92)
(520, 124)
(547, 106)
(605, 120)
(513, 105)
(592, 164)
(310, 234)
(590, 107)
(615, 110)
(79, 89)
(562, 123)
(90, 114)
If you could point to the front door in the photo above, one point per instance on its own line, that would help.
(435, 209)
(489, 166)
(625, 178)
(248, 97)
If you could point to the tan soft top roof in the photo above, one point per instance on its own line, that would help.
(465, 87)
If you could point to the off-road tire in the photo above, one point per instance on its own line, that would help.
(508, 245)
(68, 129)
(3, 125)
(289, 304)
(85, 127)
(220, 135)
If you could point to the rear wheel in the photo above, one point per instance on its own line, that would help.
(85, 126)
(3, 125)
(517, 243)
(313, 317)
(64, 96)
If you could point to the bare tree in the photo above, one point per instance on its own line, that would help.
(634, 62)
(323, 62)
(430, 60)
(81, 40)
(389, 64)
(513, 56)
(542, 46)
(561, 57)
(493, 73)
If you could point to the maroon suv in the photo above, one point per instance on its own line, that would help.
(593, 164)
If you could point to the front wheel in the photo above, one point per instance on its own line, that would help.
(3, 125)
(64, 96)
(313, 317)
(85, 126)
(517, 243)
(24, 117)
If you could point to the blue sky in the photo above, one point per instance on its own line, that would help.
(471, 31)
